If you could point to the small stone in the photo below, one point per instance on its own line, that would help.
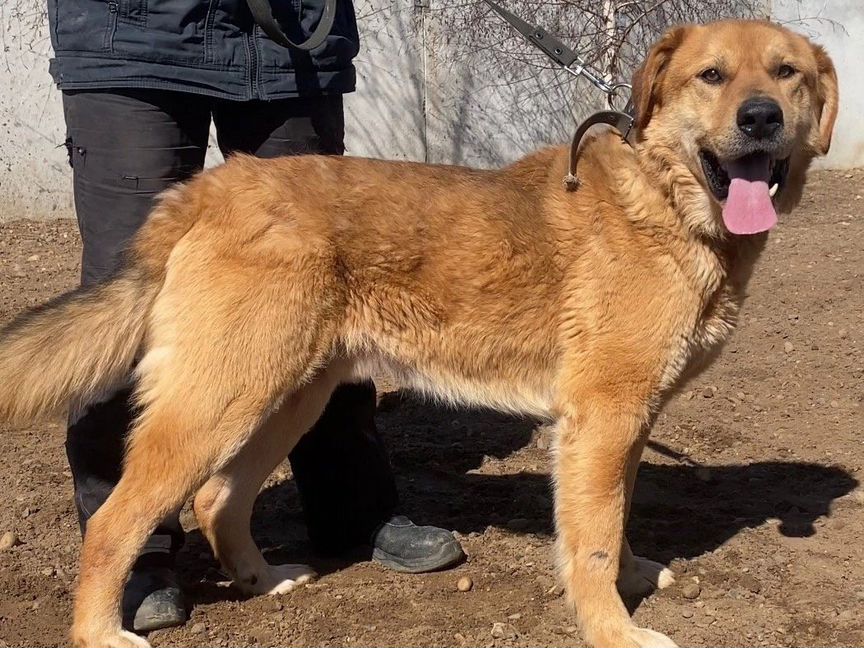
(514, 617)
(276, 605)
(459, 637)
(834, 404)
(691, 591)
(846, 615)
(33, 257)
(687, 614)
(48, 571)
(556, 591)
(842, 333)
(740, 395)
(8, 540)
(750, 583)
(465, 584)
(197, 628)
(788, 347)
(545, 437)
(504, 630)
(708, 392)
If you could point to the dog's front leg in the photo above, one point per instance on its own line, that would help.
(595, 445)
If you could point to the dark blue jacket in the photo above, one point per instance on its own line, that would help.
(210, 47)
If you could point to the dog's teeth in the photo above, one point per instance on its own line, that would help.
(773, 189)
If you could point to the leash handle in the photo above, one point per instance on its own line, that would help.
(262, 12)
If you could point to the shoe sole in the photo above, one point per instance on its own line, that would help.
(160, 622)
(446, 556)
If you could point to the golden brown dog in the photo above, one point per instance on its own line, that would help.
(256, 288)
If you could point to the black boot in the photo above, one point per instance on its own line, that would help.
(403, 546)
(153, 599)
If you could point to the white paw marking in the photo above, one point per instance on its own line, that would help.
(642, 576)
(278, 579)
(645, 638)
(122, 639)
(287, 577)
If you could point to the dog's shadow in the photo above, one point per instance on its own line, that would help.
(679, 511)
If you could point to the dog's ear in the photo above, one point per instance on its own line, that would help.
(827, 96)
(646, 80)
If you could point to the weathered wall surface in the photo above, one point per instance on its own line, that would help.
(34, 175)
(839, 27)
(439, 80)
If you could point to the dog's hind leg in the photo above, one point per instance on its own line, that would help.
(225, 343)
(638, 576)
(171, 455)
(224, 504)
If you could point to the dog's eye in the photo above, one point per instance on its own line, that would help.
(711, 75)
(785, 71)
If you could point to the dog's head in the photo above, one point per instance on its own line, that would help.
(741, 108)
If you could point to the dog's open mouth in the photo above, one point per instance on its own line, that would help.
(746, 186)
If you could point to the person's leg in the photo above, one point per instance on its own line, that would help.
(341, 466)
(125, 147)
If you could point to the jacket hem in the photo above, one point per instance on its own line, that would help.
(100, 72)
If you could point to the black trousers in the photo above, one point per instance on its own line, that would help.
(125, 147)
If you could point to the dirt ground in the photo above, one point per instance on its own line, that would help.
(750, 489)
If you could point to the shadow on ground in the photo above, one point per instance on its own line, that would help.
(679, 511)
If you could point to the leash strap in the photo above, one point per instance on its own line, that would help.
(558, 52)
(262, 12)
(621, 120)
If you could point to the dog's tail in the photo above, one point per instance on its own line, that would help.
(85, 342)
(76, 345)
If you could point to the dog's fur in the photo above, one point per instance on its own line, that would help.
(256, 288)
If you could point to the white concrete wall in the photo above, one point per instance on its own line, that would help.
(838, 25)
(386, 116)
(426, 90)
(34, 174)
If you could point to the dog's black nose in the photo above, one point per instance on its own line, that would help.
(760, 118)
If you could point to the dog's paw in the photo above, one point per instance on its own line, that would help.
(284, 578)
(645, 638)
(642, 576)
(627, 635)
(278, 579)
(119, 639)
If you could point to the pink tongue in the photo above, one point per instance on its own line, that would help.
(748, 208)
